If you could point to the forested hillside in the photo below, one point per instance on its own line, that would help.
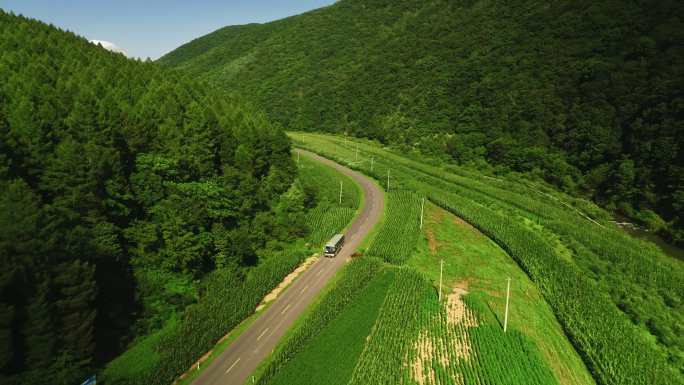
(123, 186)
(586, 94)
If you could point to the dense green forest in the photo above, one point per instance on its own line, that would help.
(127, 193)
(586, 94)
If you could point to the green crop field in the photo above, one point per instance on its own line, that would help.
(340, 343)
(397, 237)
(617, 299)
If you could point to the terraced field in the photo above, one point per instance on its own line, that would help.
(578, 282)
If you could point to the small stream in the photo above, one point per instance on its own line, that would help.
(668, 248)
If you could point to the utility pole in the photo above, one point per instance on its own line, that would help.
(441, 267)
(388, 172)
(422, 205)
(340, 192)
(508, 294)
(372, 159)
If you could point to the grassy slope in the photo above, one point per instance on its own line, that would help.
(142, 356)
(471, 257)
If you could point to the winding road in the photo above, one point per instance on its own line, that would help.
(239, 360)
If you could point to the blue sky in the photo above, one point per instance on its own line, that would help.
(151, 28)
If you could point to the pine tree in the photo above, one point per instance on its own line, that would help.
(38, 335)
(74, 307)
(198, 147)
(38, 329)
(6, 343)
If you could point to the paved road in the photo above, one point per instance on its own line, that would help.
(239, 360)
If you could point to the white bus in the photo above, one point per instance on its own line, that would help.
(334, 245)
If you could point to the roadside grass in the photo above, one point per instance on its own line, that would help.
(142, 356)
(471, 259)
(330, 357)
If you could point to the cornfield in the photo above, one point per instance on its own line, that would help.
(398, 236)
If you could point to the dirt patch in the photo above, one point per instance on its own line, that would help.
(444, 344)
(432, 241)
(465, 225)
(456, 310)
(459, 318)
(424, 354)
(288, 280)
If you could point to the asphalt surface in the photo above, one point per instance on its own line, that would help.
(238, 361)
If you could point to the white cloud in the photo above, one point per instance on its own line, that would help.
(108, 45)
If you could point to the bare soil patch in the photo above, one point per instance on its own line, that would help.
(286, 281)
(465, 225)
(460, 318)
(456, 310)
(425, 353)
(432, 241)
(448, 348)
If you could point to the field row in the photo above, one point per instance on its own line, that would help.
(397, 238)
